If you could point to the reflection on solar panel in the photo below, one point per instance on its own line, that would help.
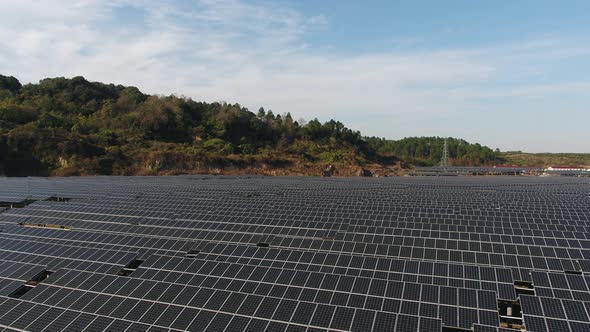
(203, 253)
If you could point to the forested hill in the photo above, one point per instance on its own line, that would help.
(427, 151)
(76, 127)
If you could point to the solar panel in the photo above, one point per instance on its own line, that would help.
(205, 253)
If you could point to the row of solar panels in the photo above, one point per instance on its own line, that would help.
(348, 269)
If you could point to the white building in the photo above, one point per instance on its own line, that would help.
(567, 168)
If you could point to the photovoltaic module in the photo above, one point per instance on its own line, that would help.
(221, 253)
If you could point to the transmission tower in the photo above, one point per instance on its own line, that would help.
(444, 161)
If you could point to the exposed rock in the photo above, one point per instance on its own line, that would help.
(364, 172)
(329, 170)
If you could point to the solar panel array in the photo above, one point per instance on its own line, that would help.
(205, 253)
(462, 170)
(455, 170)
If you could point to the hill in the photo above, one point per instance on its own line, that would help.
(75, 127)
(427, 151)
(546, 159)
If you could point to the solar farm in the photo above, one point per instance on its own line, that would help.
(221, 253)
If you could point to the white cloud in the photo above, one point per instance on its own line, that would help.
(257, 55)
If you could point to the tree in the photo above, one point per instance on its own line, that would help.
(261, 113)
(9, 83)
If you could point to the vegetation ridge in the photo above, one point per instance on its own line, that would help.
(63, 126)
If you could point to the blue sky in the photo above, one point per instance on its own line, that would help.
(508, 74)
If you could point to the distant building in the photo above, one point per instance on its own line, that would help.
(568, 168)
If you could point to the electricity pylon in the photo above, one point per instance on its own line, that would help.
(444, 161)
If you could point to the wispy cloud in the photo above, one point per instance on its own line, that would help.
(257, 54)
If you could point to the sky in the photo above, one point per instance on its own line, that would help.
(513, 75)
